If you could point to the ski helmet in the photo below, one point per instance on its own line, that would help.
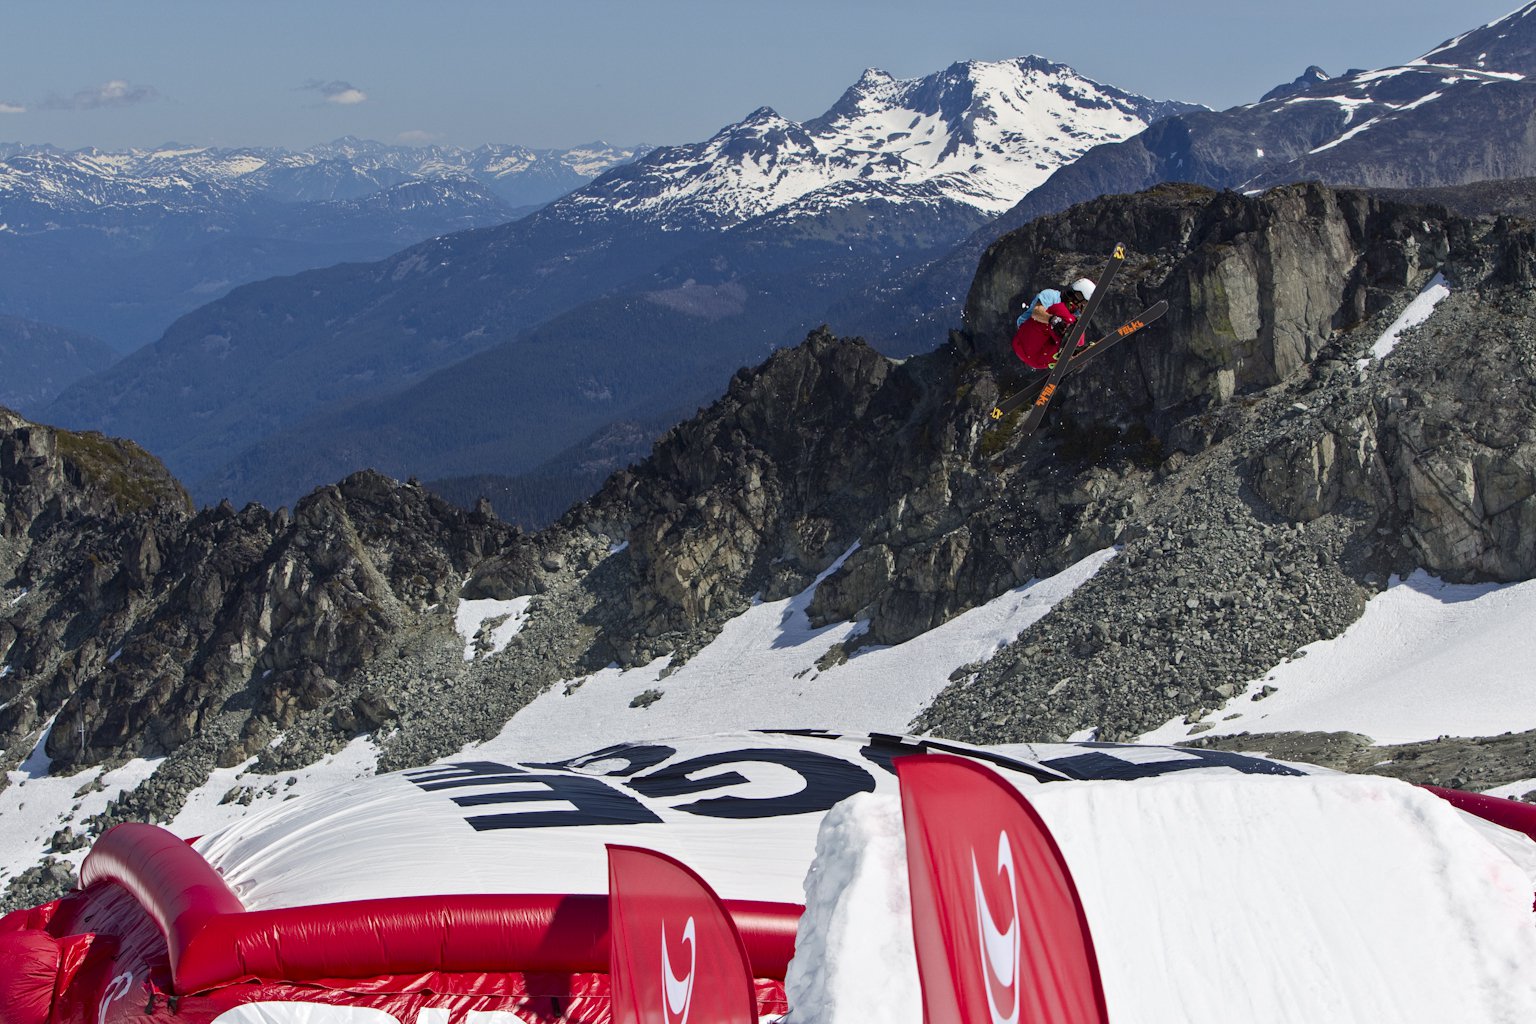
(1083, 287)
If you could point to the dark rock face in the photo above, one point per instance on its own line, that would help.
(1303, 82)
(1446, 456)
(139, 628)
(1296, 478)
(1255, 288)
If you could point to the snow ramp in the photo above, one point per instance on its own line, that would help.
(1260, 899)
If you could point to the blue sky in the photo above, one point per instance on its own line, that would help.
(561, 72)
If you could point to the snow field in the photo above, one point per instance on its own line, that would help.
(1426, 659)
(505, 619)
(1514, 790)
(206, 810)
(35, 805)
(760, 673)
(1213, 899)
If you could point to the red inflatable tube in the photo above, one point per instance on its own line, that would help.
(1512, 814)
(213, 940)
(171, 881)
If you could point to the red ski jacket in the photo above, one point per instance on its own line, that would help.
(1035, 342)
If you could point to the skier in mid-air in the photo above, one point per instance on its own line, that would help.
(1045, 322)
(1049, 320)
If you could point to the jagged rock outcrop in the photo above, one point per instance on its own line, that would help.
(1445, 456)
(1303, 82)
(1255, 288)
(134, 627)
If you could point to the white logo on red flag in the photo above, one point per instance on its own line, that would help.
(1013, 946)
(679, 991)
(1001, 962)
(114, 990)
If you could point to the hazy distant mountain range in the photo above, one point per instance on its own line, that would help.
(119, 244)
(202, 178)
(493, 350)
(37, 361)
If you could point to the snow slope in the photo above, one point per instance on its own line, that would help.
(35, 805)
(1417, 312)
(761, 673)
(1427, 659)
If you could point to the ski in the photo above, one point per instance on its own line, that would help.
(1069, 344)
(1080, 359)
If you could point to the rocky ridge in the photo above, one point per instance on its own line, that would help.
(136, 627)
(1259, 480)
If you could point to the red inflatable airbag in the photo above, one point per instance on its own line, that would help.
(212, 939)
(30, 961)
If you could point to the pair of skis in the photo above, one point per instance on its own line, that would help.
(1041, 394)
(1080, 359)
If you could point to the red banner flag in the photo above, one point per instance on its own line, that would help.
(1001, 935)
(674, 953)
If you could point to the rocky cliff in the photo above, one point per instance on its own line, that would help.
(133, 626)
(1270, 297)
(1260, 470)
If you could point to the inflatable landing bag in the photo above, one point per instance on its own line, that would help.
(29, 960)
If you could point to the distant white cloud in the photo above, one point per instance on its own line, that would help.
(116, 93)
(416, 138)
(344, 93)
(11, 108)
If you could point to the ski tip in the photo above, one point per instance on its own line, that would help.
(1119, 250)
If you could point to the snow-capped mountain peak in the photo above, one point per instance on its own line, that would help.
(982, 133)
(1503, 44)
